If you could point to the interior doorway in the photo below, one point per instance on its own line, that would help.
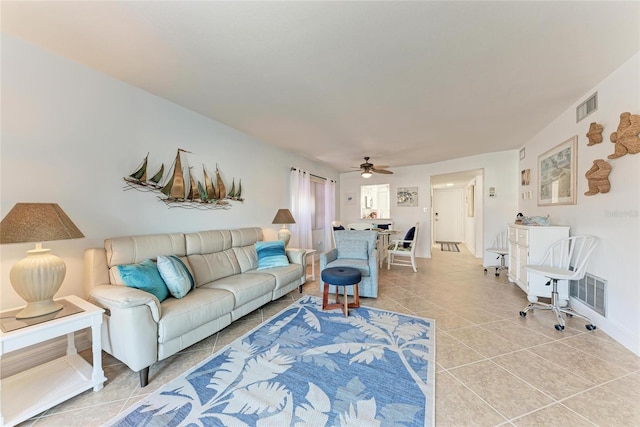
(457, 208)
(448, 211)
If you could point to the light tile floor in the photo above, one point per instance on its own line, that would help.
(494, 368)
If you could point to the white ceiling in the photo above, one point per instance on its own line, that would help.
(402, 82)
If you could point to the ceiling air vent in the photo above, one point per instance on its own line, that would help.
(587, 107)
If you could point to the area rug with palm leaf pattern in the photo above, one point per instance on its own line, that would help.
(307, 367)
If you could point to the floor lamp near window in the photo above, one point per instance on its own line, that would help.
(284, 217)
(39, 276)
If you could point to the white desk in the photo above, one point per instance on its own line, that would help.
(37, 389)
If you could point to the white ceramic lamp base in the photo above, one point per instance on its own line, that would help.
(36, 279)
(284, 234)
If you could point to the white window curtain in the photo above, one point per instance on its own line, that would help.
(301, 236)
(329, 212)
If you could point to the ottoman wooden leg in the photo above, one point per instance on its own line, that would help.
(356, 296)
(325, 296)
(346, 303)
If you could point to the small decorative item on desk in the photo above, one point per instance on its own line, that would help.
(536, 220)
(39, 276)
(519, 218)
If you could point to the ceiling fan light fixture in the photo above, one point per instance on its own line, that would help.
(366, 173)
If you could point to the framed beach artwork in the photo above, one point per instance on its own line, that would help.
(557, 174)
(407, 196)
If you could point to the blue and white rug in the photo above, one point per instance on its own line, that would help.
(306, 367)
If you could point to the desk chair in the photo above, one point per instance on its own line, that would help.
(501, 247)
(567, 259)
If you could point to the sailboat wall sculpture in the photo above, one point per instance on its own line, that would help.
(207, 196)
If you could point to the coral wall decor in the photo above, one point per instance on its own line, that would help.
(212, 195)
(595, 133)
(598, 177)
(626, 138)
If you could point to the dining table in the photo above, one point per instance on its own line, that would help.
(384, 236)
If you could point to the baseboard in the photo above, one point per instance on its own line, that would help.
(26, 358)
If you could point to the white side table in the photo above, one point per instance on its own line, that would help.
(312, 253)
(37, 389)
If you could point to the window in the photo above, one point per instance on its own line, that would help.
(374, 201)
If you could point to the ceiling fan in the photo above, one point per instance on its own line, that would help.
(368, 168)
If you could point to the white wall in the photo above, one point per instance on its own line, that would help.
(69, 135)
(500, 171)
(613, 216)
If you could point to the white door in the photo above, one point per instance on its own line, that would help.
(448, 215)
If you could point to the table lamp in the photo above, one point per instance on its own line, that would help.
(39, 276)
(284, 217)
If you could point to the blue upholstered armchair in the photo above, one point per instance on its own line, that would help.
(356, 249)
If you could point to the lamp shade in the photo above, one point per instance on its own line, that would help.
(283, 217)
(39, 276)
(37, 222)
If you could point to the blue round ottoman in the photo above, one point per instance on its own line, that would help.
(341, 276)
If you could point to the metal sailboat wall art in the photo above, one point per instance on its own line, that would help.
(174, 188)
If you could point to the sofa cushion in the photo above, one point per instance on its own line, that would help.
(271, 254)
(360, 264)
(247, 257)
(197, 308)
(283, 275)
(213, 266)
(245, 287)
(353, 249)
(144, 276)
(135, 249)
(175, 275)
(205, 242)
(246, 236)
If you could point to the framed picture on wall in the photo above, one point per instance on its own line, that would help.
(407, 196)
(557, 174)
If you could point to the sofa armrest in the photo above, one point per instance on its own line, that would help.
(130, 326)
(123, 297)
(296, 256)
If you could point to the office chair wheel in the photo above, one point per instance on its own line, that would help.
(485, 270)
(559, 327)
(590, 327)
(497, 274)
(523, 314)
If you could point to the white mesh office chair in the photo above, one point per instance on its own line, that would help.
(501, 247)
(567, 259)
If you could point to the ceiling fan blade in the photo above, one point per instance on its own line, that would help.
(382, 171)
(381, 166)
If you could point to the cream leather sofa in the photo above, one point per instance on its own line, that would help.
(139, 330)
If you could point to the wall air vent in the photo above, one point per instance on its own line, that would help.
(587, 107)
(591, 291)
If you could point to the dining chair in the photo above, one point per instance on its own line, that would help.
(400, 250)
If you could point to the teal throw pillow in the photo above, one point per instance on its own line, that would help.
(271, 254)
(176, 275)
(144, 276)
